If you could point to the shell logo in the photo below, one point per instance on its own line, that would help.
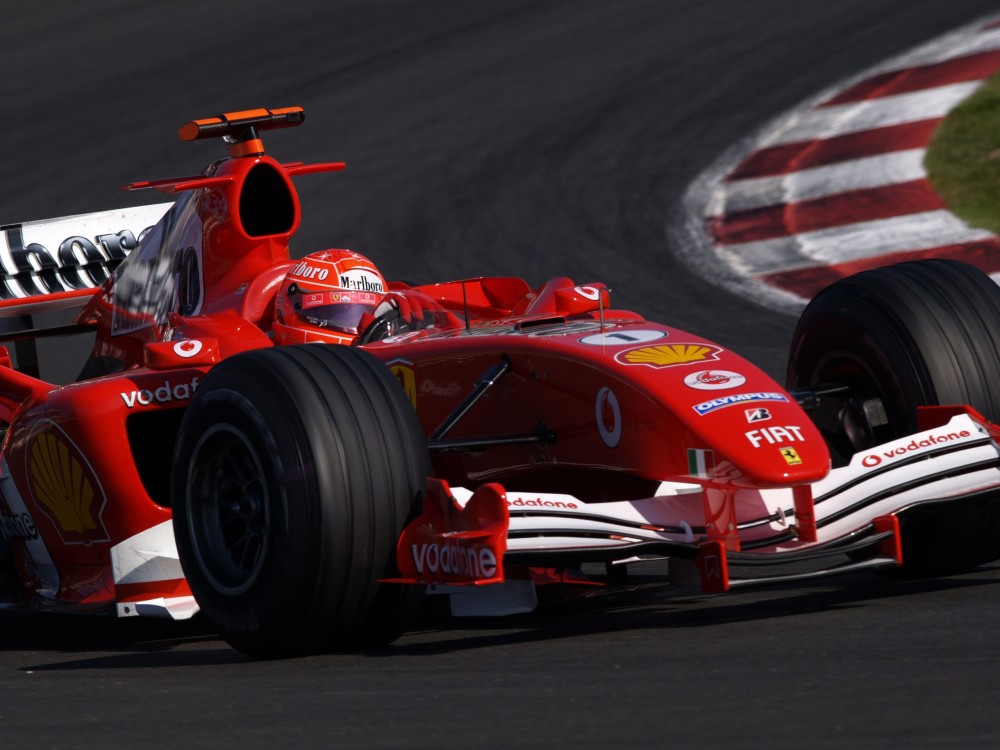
(65, 490)
(669, 355)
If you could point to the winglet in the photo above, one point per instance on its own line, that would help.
(448, 544)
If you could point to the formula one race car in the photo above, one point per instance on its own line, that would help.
(302, 450)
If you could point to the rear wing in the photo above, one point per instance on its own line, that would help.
(57, 264)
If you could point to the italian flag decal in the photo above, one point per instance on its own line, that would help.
(701, 463)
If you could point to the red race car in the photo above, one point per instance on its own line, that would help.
(302, 450)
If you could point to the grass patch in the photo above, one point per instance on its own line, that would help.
(963, 159)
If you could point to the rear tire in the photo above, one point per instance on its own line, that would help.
(295, 471)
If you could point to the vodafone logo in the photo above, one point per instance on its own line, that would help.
(188, 349)
(165, 394)
(540, 502)
(714, 380)
(588, 292)
(914, 446)
(453, 558)
(608, 416)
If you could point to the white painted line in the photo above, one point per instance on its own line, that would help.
(854, 117)
(867, 239)
(817, 182)
(687, 230)
(959, 44)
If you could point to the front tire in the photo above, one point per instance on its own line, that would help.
(920, 333)
(295, 471)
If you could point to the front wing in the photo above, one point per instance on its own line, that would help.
(848, 521)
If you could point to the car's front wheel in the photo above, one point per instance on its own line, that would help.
(914, 334)
(886, 341)
(295, 471)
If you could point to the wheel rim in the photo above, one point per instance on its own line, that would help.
(864, 415)
(228, 509)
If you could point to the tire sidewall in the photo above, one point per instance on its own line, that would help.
(285, 558)
(341, 456)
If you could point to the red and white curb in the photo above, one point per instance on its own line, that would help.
(838, 185)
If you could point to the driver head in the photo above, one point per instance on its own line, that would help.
(324, 296)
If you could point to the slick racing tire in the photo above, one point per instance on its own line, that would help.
(295, 471)
(920, 333)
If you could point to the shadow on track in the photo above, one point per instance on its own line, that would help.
(45, 632)
(140, 644)
(641, 608)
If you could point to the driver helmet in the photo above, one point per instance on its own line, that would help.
(324, 296)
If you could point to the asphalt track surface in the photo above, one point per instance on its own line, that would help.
(530, 138)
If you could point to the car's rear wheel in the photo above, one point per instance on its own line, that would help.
(295, 471)
(921, 333)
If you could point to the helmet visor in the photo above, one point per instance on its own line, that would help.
(340, 311)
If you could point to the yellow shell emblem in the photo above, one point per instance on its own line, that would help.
(61, 485)
(667, 355)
